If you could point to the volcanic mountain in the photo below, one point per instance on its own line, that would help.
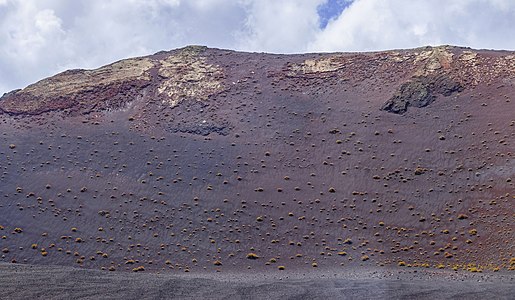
(202, 160)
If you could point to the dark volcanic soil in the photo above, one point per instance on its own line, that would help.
(201, 160)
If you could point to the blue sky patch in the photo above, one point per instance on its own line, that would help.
(331, 9)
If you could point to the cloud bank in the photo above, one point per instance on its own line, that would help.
(39, 38)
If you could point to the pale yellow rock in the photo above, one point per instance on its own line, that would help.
(72, 82)
(188, 75)
(468, 56)
(314, 66)
(433, 60)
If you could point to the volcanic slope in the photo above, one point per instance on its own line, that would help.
(203, 159)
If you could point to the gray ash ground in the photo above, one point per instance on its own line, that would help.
(65, 282)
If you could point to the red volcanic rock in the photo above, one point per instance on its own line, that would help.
(185, 159)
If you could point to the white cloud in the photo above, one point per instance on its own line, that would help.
(39, 38)
(280, 26)
(377, 25)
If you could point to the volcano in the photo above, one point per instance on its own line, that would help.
(205, 160)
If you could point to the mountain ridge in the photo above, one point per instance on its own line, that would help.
(136, 72)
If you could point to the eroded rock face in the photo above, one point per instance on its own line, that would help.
(437, 73)
(108, 86)
(420, 92)
(173, 78)
(320, 65)
(193, 73)
(187, 75)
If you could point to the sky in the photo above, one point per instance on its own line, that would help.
(39, 38)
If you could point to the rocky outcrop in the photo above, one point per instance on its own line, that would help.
(420, 92)
(106, 87)
(170, 77)
(165, 80)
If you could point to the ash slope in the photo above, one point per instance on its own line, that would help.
(204, 160)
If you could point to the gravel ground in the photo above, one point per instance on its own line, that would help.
(44, 282)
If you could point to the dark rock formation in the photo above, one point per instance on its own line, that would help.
(420, 92)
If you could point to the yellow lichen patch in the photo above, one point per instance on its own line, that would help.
(329, 64)
(72, 82)
(320, 65)
(398, 57)
(188, 75)
(468, 56)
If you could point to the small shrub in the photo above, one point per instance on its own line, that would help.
(138, 269)
(419, 171)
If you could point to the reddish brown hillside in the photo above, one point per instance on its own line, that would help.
(202, 159)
